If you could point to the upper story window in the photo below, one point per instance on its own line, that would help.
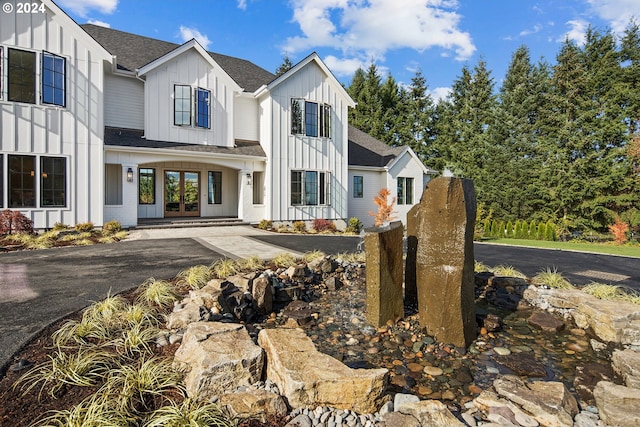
(53, 79)
(182, 105)
(21, 76)
(310, 118)
(405, 191)
(203, 115)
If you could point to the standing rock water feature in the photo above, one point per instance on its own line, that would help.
(442, 228)
(383, 246)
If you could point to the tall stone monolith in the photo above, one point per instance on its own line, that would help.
(383, 250)
(442, 228)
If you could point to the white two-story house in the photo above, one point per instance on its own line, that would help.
(99, 124)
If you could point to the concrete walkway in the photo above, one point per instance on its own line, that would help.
(232, 242)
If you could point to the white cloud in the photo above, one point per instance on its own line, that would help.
(369, 29)
(99, 23)
(344, 67)
(617, 13)
(439, 93)
(187, 34)
(577, 31)
(536, 28)
(81, 7)
(242, 4)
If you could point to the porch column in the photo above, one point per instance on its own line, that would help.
(129, 213)
(245, 195)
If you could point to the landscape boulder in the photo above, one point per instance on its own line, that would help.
(217, 357)
(549, 402)
(626, 363)
(307, 377)
(617, 405)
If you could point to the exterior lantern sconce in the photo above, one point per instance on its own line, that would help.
(248, 175)
(129, 175)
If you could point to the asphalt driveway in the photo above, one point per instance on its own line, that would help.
(40, 287)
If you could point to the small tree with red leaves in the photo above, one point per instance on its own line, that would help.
(12, 222)
(385, 209)
(619, 230)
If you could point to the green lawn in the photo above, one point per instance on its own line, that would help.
(611, 249)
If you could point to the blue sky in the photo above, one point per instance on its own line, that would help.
(400, 36)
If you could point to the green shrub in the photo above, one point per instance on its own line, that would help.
(112, 227)
(299, 226)
(265, 224)
(501, 229)
(487, 228)
(509, 230)
(550, 233)
(14, 222)
(354, 226)
(494, 229)
(84, 227)
(542, 231)
(524, 230)
(517, 230)
(321, 225)
(532, 230)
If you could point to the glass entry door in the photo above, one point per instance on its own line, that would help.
(181, 193)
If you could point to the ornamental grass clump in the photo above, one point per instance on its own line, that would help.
(85, 367)
(252, 263)
(91, 412)
(134, 385)
(224, 268)
(194, 277)
(508, 271)
(157, 292)
(479, 267)
(284, 260)
(612, 292)
(189, 413)
(551, 278)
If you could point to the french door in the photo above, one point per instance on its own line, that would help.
(181, 193)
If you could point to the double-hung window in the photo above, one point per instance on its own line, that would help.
(405, 191)
(1, 88)
(53, 79)
(182, 105)
(310, 118)
(21, 76)
(310, 188)
(203, 97)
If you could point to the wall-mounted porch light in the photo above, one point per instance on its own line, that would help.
(248, 175)
(129, 175)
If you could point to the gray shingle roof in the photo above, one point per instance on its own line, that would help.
(365, 150)
(133, 138)
(134, 51)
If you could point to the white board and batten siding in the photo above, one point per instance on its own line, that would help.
(188, 68)
(123, 102)
(407, 166)
(372, 182)
(74, 131)
(295, 152)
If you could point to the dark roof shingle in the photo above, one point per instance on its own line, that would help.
(134, 51)
(365, 150)
(134, 138)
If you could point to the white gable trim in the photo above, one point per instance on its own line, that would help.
(300, 65)
(409, 151)
(191, 44)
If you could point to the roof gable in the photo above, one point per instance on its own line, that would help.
(190, 45)
(134, 52)
(313, 57)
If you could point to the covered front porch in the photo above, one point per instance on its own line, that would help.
(183, 182)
